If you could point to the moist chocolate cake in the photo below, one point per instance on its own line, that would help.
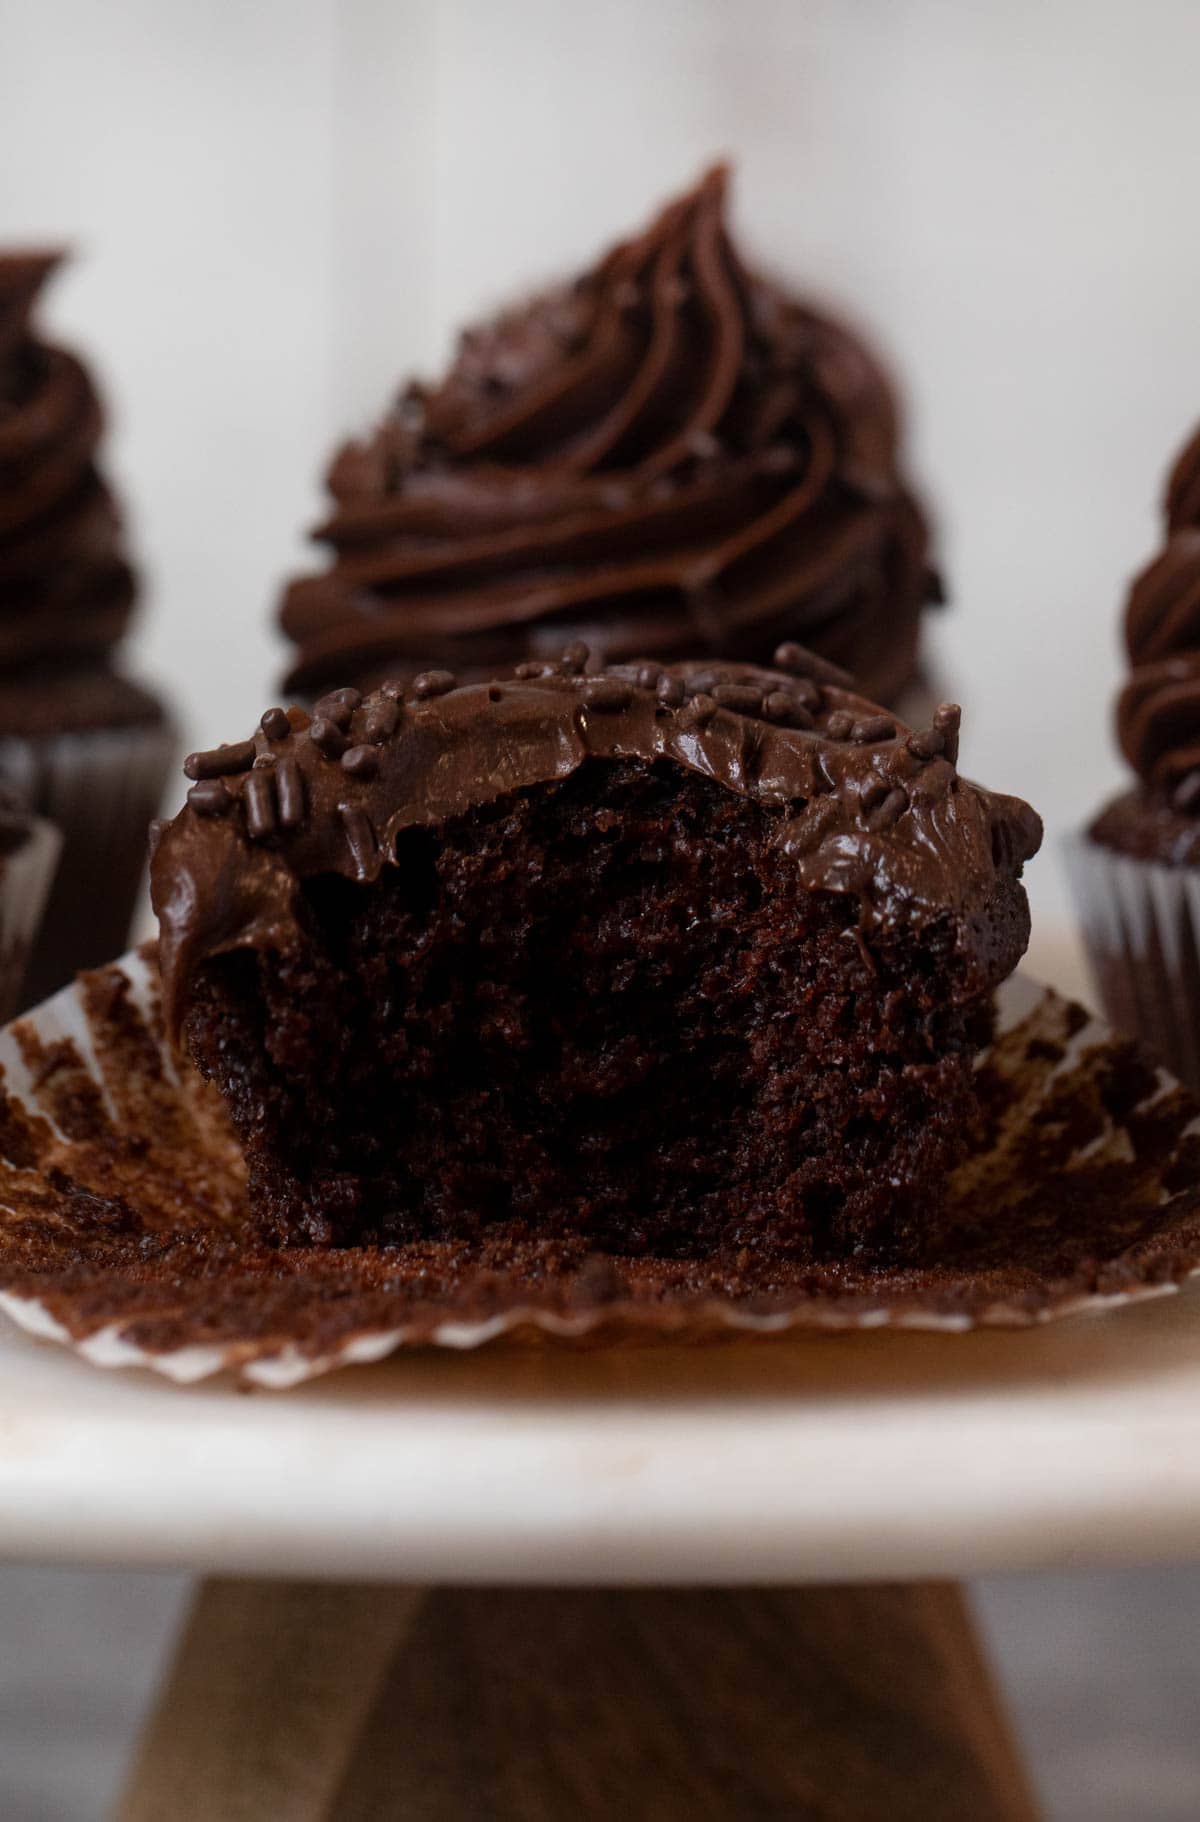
(670, 958)
(667, 456)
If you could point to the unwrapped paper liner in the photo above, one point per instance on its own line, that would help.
(122, 1208)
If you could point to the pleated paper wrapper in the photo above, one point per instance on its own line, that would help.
(100, 789)
(1141, 926)
(123, 1204)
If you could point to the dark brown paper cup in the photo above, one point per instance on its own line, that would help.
(101, 789)
(25, 880)
(1141, 926)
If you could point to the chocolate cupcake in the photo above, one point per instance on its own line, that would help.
(1137, 868)
(670, 959)
(667, 457)
(82, 744)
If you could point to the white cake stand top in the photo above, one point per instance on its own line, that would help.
(823, 1456)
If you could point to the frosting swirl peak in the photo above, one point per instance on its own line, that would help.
(666, 457)
(1158, 711)
(66, 589)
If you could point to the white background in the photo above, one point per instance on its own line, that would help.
(282, 206)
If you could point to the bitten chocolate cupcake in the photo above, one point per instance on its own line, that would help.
(667, 457)
(82, 744)
(674, 958)
(1137, 869)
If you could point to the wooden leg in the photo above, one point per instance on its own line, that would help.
(864, 1704)
(265, 1701)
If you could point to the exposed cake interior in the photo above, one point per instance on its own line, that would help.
(603, 1005)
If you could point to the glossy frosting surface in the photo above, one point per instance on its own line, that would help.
(864, 805)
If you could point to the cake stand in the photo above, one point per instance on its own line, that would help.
(866, 1458)
(540, 1583)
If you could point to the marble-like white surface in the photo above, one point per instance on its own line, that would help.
(835, 1456)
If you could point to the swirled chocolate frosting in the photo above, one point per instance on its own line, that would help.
(1158, 711)
(862, 804)
(668, 457)
(66, 588)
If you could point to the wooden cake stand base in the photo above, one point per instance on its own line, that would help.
(320, 1702)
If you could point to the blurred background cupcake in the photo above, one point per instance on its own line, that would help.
(82, 745)
(29, 850)
(667, 457)
(1136, 871)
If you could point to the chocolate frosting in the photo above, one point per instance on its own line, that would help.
(862, 804)
(667, 457)
(66, 589)
(1158, 711)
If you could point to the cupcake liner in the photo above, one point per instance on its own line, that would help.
(100, 788)
(1141, 927)
(122, 1210)
(25, 878)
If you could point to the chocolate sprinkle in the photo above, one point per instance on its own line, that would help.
(360, 762)
(209, 798)
(927, 745)
(259, 799)
(380, 721)
(889, 811)
(289, 782)
(327, 737)
(947, 720)
(360, 835)
(873, 729)
(335, 710)
(432, 683)
(575, 658)
(606, 694)
(744, 698)
(699, 711)
(275, 724)
(220, 762)
(783, 708)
